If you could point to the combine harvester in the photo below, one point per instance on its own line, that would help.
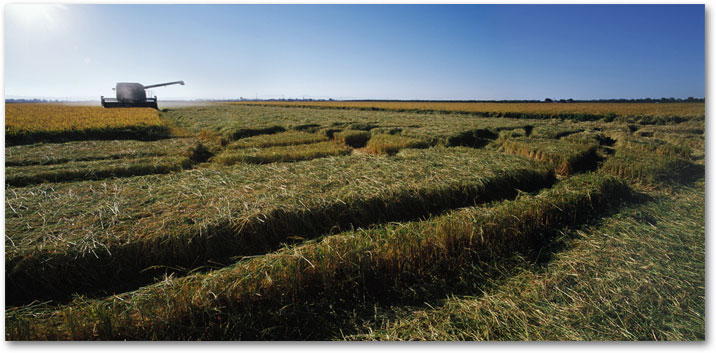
(133, 95)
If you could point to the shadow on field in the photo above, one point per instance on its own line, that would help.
(142, 133)
(334, 318)
(126, 267)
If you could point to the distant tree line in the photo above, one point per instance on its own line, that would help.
(622, 100)
(33, 100)
(546, 100)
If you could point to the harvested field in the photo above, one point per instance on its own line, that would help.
(93, 170)
(238, 121)
(564, 156)
(390, 144)
(287, 138)
(187, 220)
(353, 138)
(79, 151)
(648, 168)
(601, 302)
(338, 267)
(290, 153)
(367, 222)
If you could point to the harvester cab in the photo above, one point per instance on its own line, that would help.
(132, 94)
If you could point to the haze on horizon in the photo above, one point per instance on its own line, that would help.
(431, 52)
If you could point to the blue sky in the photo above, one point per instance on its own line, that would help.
(358, 51)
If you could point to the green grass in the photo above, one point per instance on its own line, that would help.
(391, 144)
(96, 235)
(280, 139)
(636, 275)
(282, 153)
(268, 296)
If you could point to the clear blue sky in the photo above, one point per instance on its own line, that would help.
(358, 51)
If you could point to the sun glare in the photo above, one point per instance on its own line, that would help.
(36, 16)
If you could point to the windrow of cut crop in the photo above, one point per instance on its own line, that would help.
(353, 138)
(95, 170)
(653, 146)
(650, 163)
(564, 156)
(282, 153)
(84, 151)
(472, 138)
(292, 294)
(45, 273)
(391, 144)
(287, 138)
(555, 131)
(136, 132)
(694, 142)
(589, 137)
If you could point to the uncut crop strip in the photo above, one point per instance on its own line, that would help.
(282, 153)
(268, 297)
(34, 122)
(79, 151)
(141, 242)
(565, 157)
(94, 170)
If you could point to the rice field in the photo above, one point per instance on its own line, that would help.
(370, 221)
(33, 122)
(694, 109)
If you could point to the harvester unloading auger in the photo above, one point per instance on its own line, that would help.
(132, 94)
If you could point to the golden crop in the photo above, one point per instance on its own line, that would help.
(46, 117)
(620, 109)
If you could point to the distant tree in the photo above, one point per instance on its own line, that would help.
(548, 100)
